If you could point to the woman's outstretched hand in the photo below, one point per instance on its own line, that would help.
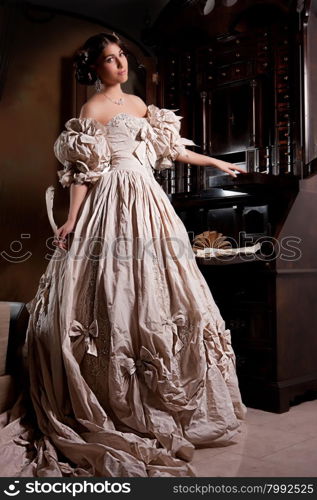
(227, 167)
(62, 232)
(203, 160)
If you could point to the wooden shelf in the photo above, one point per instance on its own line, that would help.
(252, 181)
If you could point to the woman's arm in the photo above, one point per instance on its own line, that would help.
(77, 191)
(208, 161)
(77, 195)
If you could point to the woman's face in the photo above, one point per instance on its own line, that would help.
(112, 65)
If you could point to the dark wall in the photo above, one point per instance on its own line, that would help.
(36, 100)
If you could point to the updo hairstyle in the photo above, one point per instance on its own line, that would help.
(87, 55)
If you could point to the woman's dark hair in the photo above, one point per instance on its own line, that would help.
(87, 55)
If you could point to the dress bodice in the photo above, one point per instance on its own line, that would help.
(89, 149)
(130, 139)
(129, 120)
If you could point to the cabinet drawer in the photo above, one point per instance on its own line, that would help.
(254, 327)
(252, 290)
(255, 363)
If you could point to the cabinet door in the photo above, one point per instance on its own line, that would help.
(231, 118)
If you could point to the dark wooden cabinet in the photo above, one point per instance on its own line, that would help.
(240, 91)
(243, 80)
(268, 300)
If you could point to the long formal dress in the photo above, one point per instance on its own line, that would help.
(131, 366)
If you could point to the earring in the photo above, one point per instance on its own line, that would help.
(98, 85)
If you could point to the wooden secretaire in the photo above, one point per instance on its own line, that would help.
(244, 78)
(268, 299)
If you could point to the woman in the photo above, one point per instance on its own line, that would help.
(130, 364)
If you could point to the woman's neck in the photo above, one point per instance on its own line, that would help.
(113, 90)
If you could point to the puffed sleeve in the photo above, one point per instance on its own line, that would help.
(84, 151)
(168, 143)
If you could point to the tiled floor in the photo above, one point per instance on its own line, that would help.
(269, 445)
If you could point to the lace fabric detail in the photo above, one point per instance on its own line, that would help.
(45, 285)
(38, 306)
(94, 368)
(132, 123)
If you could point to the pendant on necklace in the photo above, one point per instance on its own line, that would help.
(119, 101)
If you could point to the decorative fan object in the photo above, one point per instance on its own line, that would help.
(210, 239)
(229, 3)
(209, 6)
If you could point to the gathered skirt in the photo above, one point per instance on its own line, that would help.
(130, 363)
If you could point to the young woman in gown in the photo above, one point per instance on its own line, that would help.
(131, 367)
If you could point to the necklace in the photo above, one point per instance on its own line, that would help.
(119, 101)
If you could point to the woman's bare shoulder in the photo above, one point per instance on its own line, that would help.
(92, 108)
(139, 103)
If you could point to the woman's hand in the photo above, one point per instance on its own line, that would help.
(194, 158)
(227, 167)
(62, 232)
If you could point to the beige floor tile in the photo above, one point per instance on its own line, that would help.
(219, 465)
(262, 440)
(309, 408)
(297, 460)
(235, 465)
(307, 427)
(301, 419)
(255, 467)
(269, 445)
(206, 454)
(255, 416)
